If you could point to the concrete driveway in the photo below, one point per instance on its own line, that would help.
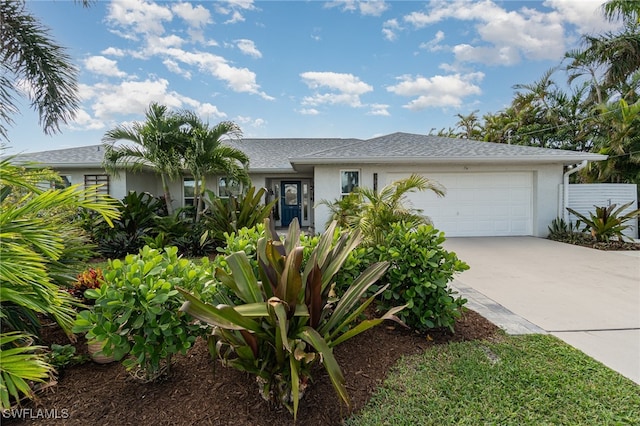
(588, 298)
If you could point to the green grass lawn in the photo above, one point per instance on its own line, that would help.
(520, 380)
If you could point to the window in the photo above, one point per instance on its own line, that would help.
(102, 180)
(64, 182)
(189, 191)
(349, 180)
(228, 187)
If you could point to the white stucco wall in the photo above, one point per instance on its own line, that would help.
(117, 185)
(544, 196)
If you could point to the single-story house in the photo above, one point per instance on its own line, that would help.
(491, 189)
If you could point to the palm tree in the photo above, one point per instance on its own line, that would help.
(616, 53)
(619, 125)
(207, 154)
(159, 142)
(29, 54)
(469, 126)
(374, 212)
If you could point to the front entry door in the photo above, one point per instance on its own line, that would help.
(290, 201)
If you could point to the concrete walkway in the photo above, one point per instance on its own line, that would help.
(588, 298)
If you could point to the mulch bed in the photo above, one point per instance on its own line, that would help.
(607, 246)
(193, 394)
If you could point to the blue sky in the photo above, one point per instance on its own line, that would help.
(303, 68)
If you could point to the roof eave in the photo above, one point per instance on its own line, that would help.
(566, 160)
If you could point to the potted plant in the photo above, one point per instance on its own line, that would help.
(136, 316)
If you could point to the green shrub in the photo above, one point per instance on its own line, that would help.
(136, 312)
(138, 213)
(287, 321)
(559, 230)
(607, 222)
(62, 356)
(234, 213)
(181, 230)
(418, 276)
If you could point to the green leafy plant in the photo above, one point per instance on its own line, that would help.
(234, 213)
(288, 321)
(138, 214)
(419, 276)
(559, 230)
(21, 364)
(607, 222)
(181, 230)
(33, 241)
(62, 356)
(136, 312)
(374, 211)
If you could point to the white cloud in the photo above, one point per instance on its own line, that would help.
(110, 103)
(248, 47)
(113, 51)
(309, 111)
(175, 68)
(158, 45)
(84, 121)
(238, 79)
(365, 7)
(379, 109)
(140, 16)
(510, 35)
(389, 29)
(234, 9)
(207, 111)
(196, 17)
(506, 55)
(434, 45)
(437, 91)
(586, 15)
(251, 122)
(373, 8)
(103, 66)
(345, 89)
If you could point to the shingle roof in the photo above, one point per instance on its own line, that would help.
(406, 147)
(78, 157)
(274, 154)
(282, 155)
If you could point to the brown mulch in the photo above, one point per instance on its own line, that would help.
(606, 246)
(194, 395)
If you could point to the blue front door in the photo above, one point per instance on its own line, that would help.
(290, 201)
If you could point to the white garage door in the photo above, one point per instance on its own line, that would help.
(478, 204)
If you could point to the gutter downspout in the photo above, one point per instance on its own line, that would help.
(565, 187)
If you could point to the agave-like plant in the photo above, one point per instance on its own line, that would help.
(289, 319)
(607, 222)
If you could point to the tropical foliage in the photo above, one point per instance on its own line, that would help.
(20, 364)
(288, 320)
(31, 58)
(158, 143)
(230, 214)
(607, 222)
(373, 212)
(206, 154)
(599, 112)
(419, 276)
(135, 313)
(35, 235)
(170, 143)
